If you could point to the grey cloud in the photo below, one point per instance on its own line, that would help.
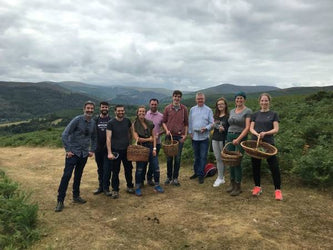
(176, 44)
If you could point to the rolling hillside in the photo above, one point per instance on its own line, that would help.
(26, 100)
(21, 101)
(230, 88)
(116, 94)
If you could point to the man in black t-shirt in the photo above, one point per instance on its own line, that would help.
(101, 152)
(118, 135)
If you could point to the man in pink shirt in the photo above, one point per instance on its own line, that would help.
(157, 118)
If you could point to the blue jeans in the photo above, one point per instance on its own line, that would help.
(173, 169)
(101, 158)
(70, 163)
(150, 167)
(140, 165)
(200, 149)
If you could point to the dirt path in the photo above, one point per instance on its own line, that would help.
(192, 216)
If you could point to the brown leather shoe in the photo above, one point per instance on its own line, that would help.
(237, 190)
(231, 186)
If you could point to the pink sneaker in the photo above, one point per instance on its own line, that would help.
(278, 195)
(256, 191)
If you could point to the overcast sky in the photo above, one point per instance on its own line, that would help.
(174, 44)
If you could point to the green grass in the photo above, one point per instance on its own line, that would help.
(44, 138)
(17, 216)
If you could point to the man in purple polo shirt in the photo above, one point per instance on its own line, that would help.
(157, 118)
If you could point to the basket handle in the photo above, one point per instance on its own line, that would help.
(258, 141)
(171, 138)
(227, 145)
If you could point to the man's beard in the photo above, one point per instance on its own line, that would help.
(88, 114)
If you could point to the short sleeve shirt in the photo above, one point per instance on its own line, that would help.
(237, 121)
(120, 133)
(263, 122)
(101, 124)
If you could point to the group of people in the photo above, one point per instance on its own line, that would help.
(108, 138)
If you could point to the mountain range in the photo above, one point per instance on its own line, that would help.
(26, 100)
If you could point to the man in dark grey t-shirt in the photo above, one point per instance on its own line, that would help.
(118, 136)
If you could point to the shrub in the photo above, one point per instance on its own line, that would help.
(17, 216)
(50, 137)
(316, 167)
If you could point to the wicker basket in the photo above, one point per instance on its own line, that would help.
(170, 149)
(251, 148)
(137, 153)
(230, 158)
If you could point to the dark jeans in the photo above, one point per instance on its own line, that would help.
(101, 158)
(273, 164)
(173, 163)
(140, 165)
(114, 167)
(150, 167)
(70, 163)
(200, 149)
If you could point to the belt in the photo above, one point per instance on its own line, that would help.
(234, 132)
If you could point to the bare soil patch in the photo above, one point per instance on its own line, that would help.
(191, 216)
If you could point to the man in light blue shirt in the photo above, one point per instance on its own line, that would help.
(200, 123)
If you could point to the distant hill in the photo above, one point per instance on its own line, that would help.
(25, 100)
(232, 89)
(117, 94)
(228, 91)
(300, 90)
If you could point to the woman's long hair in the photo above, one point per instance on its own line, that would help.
(217, 111)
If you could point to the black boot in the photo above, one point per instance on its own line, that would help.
(60, 206)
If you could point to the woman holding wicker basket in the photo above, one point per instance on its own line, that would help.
(143, 134)
(265, 124)
(239, 125)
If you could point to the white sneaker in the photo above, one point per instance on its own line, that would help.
(218, 182)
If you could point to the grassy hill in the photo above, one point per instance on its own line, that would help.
(252, 93)
(117, 94)
(22, 101)
(230, 88)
